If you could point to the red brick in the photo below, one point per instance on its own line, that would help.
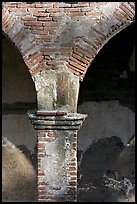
(80, 58)
(41, 174)
(32, 56)
(28, 18)
(85, 61)
(18, 10)
(45, 19)
(72, 168)
(74, 189)
(31, 23)
(76, 14)
(37, 28)
(76, 71)
(51, 24)
(41, 145)
(9, 23)
(36, 9)
(41, 188)
(41, 155)
(42, 183)
(53, 14)
(39, 60)
(36, 60)
(77, 61)
(65, 49)
(40, 32)
(119, 16)
(73, 164)
(52, 134)
(73, 178)
(36, 70)
(78, 66)
(42, 139)
(128, 14)
(55, 10)
(78, 53)
(5, 15)
(93, 14)
(10, 6)
(6, 20)
(49, 139)
(73, 183)
(128, 8)
(41, 14)
(44, 38)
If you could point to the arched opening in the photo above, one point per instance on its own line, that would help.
(18, 98)
(107, 95)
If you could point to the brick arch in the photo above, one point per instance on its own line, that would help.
(41, 31)
(20, 36)
(85, 50)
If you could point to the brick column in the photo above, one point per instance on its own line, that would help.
(57, 154)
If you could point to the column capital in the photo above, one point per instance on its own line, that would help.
(45, 120)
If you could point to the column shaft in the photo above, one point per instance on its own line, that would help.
(57, 154)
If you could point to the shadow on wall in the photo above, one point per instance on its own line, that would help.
(107, 172)
(18, 96)
(19, 177)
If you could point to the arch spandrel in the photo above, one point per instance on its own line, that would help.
(62, 38)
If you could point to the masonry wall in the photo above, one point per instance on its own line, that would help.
(108, 91)
(66, 48)
(107, 95)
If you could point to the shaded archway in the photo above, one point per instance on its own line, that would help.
(107, 94)
(18, 97)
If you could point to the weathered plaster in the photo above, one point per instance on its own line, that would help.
(57, 91)
(105, 119)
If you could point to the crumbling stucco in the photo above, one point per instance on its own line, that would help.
(57, 91)
(59, 153)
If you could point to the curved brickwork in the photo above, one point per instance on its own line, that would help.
(58, 42)
(53, 35)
